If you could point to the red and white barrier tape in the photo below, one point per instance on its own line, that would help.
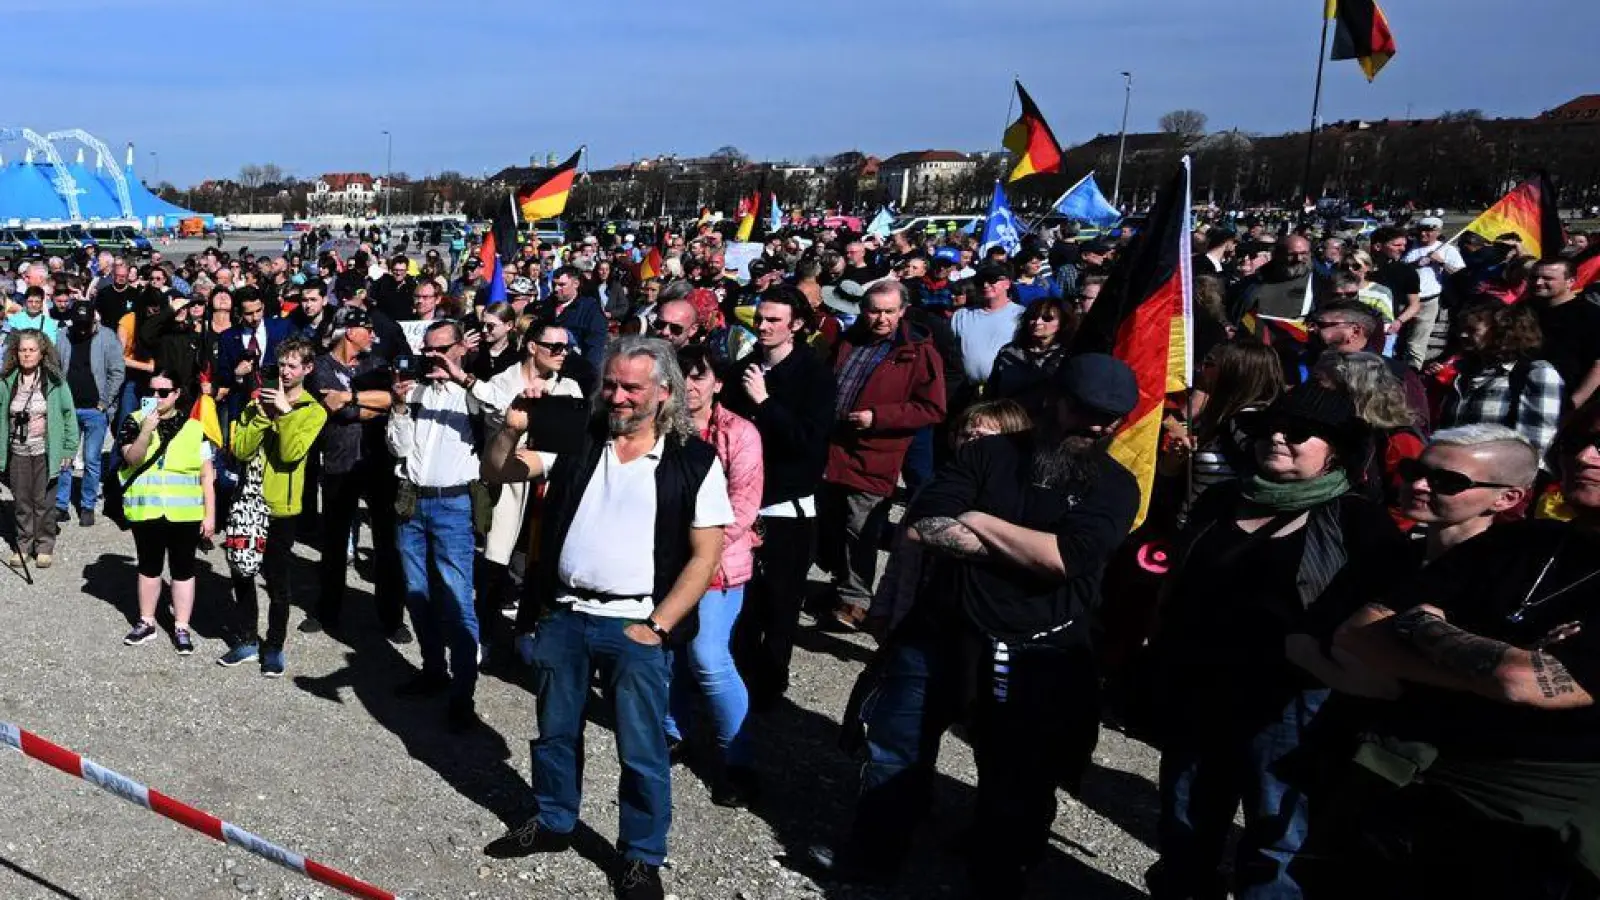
(31, 745)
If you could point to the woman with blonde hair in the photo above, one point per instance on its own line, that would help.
(41, 440)
(1380, 403)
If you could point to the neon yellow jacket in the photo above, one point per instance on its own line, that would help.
(286, 441)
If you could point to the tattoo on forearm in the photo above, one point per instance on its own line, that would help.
(1449, 647)
(947, 535)
(1551, 676)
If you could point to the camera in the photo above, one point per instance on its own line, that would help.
(408, 366)
(19, 428)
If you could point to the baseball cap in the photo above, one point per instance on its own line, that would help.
(351, 317)
(520, 286)
(1430, 222)
(992, 272)
(1099, 382)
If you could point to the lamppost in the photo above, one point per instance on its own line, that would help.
(1122, 140)
(388, 171)
(155, 160)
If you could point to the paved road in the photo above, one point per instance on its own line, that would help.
(328, 763)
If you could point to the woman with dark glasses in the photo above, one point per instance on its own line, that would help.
(1266, 564)
(1035, 352)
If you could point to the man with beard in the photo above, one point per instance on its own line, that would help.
(1019, 528)
(631, 534)
(1281, 291)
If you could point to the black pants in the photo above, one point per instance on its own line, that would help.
(375, 483)
(275, 563)
(158, 540)
(1423, 842)
(932, 675)
(763, 638)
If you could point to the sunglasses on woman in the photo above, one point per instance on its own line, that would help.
(1293, 432)
(555, 348)
(163, 392)
(1445, 482)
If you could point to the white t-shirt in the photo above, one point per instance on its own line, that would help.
(982, 333)
(1429, 272)
(610, 547)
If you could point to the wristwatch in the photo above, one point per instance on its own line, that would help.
(656, 627)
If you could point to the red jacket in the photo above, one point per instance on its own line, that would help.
(905, 393)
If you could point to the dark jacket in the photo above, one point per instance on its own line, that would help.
(585, 321)
(794, 422)
(393, 298)
(231, 350)
(944, 340)
(173, 345)
(1018, 371)
(904, 392)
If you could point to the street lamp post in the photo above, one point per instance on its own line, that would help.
(1122, 140)
(388, 171)
(155, 160)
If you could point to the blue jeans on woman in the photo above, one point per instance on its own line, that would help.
(1203, 780)
(708, 663)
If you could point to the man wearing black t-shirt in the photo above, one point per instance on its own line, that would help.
(1388, 255)
(1570, 325)
(1482, 779)
(1019, 527)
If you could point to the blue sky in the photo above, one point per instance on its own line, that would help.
(479, 84)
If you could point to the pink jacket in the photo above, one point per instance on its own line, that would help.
(738, 445)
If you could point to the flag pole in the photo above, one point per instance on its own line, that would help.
(1316, 100)
(1051, 208)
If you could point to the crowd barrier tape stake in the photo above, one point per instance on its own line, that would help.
(35, 747)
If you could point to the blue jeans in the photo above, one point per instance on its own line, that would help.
(567, 646)
(436, 554)
(917, 470)
(92, 429)
(1203, 780)
(708, 663)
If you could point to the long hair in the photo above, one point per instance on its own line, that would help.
(1243, 374)
(1379, 397)
(1514, 333)
(49, 359)
(672, 416)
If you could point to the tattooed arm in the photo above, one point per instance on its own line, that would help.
(945, 535)
(1420, 646)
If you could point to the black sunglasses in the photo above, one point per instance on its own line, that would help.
(1442, 481)
(672, 328)
(553, 347)
(1293, 432)
(1574, 444)
(163, 392)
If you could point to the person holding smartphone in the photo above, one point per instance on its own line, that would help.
(293, 419)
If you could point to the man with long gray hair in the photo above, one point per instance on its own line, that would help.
(630, 536)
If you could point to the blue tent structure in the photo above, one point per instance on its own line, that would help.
(49, 189)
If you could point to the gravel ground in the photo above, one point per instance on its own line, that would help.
(327, 763)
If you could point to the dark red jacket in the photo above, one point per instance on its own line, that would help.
(905, 392)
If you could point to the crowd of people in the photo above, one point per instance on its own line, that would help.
(1358, 606)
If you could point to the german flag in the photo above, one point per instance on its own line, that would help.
(1588, 265)
(749, 209)
(1031, 139)
(1361, 34)
(204, 411)
(650, 266)
(547, 198)
(1529, 212)
(1142, 318)
(500, 244)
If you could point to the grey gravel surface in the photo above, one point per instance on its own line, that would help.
(328, 763)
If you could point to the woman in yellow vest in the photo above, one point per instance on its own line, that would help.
(170, 505)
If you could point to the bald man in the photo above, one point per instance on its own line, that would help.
(676, 323)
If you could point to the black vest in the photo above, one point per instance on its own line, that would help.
(682, 469)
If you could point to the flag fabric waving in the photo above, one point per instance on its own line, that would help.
(500, 243)
(547, 199)
(1085, 202)
(1142, 318)
(1031, 139)
(879, 225)
(774, 215)
(749, 208)
(1361, 34)
(1000, 228)
(650, 266)
(1529, 212)
(204, 411)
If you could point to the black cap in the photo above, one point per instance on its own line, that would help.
(991, 272)
(1327, 412)
(81, 315)
(351, 317)
(1100, 382)
(1100, 247)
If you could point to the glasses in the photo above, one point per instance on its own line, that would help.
(439, 348)
(672, 328)
(163, 392)
(1572, 445)
(1443, 481)
(1293, 432)
(554, 348)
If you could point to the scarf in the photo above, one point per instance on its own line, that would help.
(1295, 496)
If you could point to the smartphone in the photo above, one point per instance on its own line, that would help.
(408, 367)
(269, 379)
(147, 407)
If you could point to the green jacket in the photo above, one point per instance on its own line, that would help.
(286, 441)
(60, 420)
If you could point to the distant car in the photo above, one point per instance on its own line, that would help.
(120, 238)
(56, 240)
(16, 243)
(550, 231)
(934, 224)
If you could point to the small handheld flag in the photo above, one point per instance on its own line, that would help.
(1031, 139)
(1000, 228)
(1085, 202)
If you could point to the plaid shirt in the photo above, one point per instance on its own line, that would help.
(1484, 396)
(855, 371)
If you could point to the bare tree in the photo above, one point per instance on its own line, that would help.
(250, 176)
(1185, 124)
(271, 173)
(1461, 115)
(732, 155)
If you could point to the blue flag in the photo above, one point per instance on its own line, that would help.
(775, 217)
(880, 223)
(1000, 228)
(497, 283)
(1085, 203)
